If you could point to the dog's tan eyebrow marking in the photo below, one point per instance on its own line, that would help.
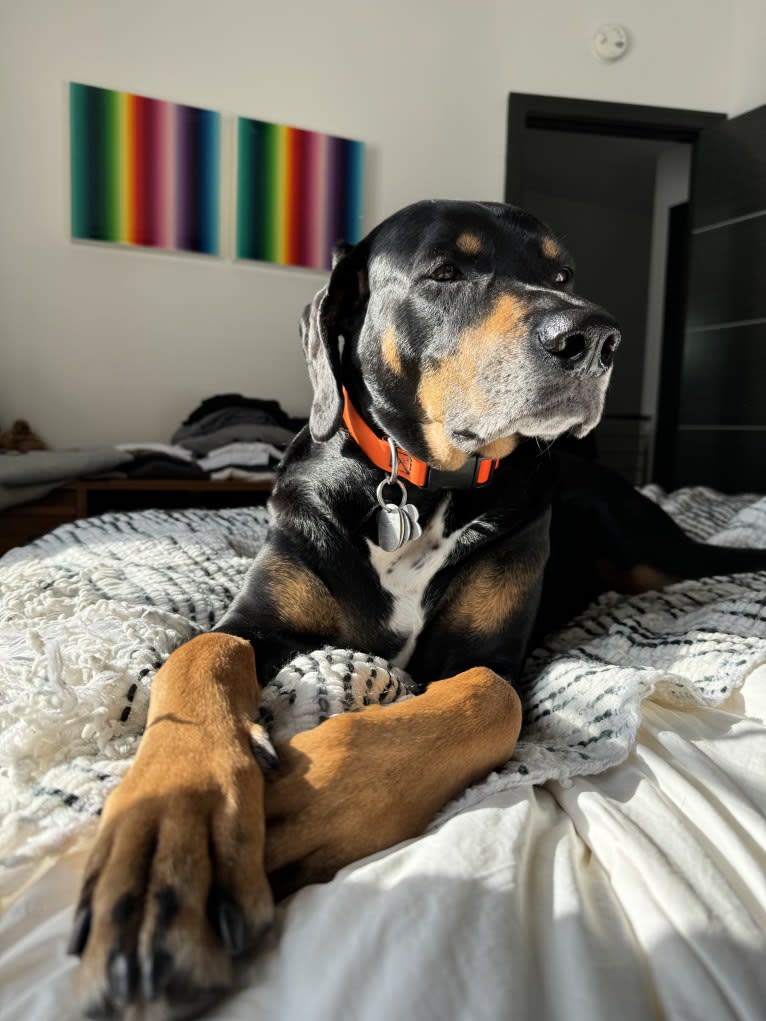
(504, 319)
(549, 248)
(390, 351)
(469, 243)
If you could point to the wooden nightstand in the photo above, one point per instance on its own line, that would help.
(28, 521)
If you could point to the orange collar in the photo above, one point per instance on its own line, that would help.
(476, 472)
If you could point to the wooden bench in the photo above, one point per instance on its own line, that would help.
(27, 521)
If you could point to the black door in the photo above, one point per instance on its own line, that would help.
(721, 435)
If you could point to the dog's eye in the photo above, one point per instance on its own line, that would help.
(563, 276)
(445, 272)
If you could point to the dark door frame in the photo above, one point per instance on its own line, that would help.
(622, 120)
(671, 355)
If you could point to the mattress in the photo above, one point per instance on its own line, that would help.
(615, 866)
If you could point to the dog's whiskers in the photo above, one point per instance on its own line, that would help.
(543, 446)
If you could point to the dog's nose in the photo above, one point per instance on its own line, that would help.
(584, 344)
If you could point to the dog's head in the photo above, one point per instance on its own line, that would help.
(456, 330)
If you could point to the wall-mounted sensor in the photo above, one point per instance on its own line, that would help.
(610, 42)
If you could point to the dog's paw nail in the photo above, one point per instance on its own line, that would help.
(122, 976)
(80, 932)
(262, 748)
(155, 974)
(231, 925)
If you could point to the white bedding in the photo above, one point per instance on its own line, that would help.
(637, 892)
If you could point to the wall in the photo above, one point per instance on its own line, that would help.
(748, 87)
(103, 345)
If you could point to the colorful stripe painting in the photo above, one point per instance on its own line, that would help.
(144, 171)
(298, 193)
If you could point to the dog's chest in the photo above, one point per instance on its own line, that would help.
(406, 575)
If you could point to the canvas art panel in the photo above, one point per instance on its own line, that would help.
(298, 193)
(144, 171)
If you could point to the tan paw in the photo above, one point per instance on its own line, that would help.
(175, 891)
(366, 780)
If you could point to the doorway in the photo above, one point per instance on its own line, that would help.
(612, 180)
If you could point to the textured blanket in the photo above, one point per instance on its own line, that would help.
(89, 613)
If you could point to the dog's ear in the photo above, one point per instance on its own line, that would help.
(339, 251)
(335, 311)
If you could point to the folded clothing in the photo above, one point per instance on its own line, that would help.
(166, 449)
(248, 459)
(232, 418)
(240, 432)
(36, 467)
(154, 465)
(227, 436)
(31, 475)
(241, 455)
(243, 475)
(267, 411)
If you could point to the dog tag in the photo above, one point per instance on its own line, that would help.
(412, 513)
(394, 527)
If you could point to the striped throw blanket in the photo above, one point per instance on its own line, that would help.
(89, 613)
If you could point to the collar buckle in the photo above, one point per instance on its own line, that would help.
(468, 476)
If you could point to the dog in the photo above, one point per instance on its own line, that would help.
(421, 517)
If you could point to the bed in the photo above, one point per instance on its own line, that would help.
(615, 867)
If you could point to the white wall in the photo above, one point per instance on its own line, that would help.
(748, 88)
(104, 345)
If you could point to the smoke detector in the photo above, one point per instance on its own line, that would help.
(610, 42)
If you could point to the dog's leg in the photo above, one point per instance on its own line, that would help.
(363, 781)
(175, 887)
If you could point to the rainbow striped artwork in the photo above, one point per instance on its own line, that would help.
(298, 192)
(144, 171)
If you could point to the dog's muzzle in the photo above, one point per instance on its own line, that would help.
(582, 341)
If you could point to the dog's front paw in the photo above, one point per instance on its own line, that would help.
(337, 796)
(364, 781)
(174, 891)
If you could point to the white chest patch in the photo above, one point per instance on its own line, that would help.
(406, 574)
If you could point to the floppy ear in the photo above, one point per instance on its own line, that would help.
(330, 315)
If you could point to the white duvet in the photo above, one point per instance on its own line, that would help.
(637, 892)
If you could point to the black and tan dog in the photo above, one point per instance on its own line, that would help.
(413, 519)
